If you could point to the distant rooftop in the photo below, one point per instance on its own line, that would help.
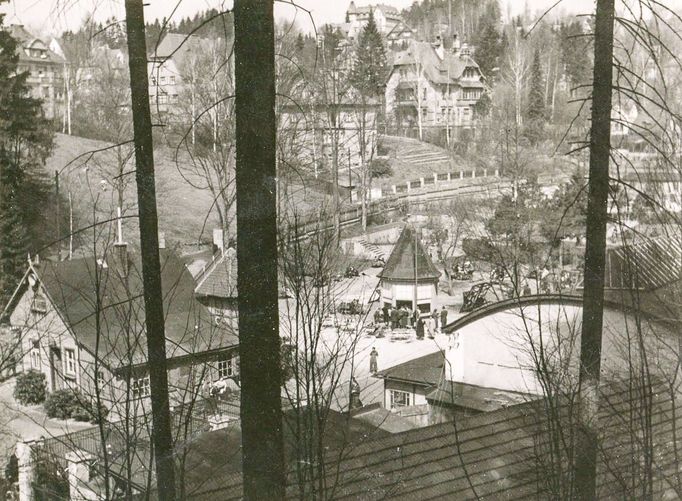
(401, 262)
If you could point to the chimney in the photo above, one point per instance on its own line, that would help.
(121, 256)
(455, 43)
(162, 240)
(438, 45)
(464, 51)
(218, 241)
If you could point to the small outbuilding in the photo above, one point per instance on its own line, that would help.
(409, 275)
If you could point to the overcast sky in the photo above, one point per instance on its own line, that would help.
(53, 16)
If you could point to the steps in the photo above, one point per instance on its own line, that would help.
(372, 249)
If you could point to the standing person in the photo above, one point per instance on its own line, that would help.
(420, 328)
(431, 326)
(373, 365)
(394, 317)
(415, 318)
(385, 312)
(443, 317)
(434, 315)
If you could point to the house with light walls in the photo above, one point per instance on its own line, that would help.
(433, 86)
(81, 322)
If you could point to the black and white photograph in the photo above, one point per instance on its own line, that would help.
(340, 250)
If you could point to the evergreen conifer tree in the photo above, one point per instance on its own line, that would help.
(25, 142)
(536, 113)
(489, 42)
(369, 66)
(536, 94)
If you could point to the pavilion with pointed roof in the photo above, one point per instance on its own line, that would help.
(408, 267)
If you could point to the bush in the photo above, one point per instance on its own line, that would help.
(84, 410)
(380, 167)
(70, 404)
(61, 403)
(30, 388)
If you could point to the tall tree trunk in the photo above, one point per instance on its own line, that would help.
(595, 253)
(336, 202)
(259, 342)
(149, 249)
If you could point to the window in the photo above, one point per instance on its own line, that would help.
(153, 80)
(172, 79)
(400, 399)
(69, 362)
(141, 387)
(35, 354)
(163, 80)
(163, 98)
(424, 92)
(228, 367)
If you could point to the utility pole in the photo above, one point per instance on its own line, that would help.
(350, 179)
(149, 250)
(595, 255)
(59, 233)
(256, 184)
(416, 276)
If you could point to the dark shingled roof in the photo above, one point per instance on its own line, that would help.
(219, 279)
(449, 70)
(400, 264)
(426, 370)
(27, 40)
(72, 287)
(506, 454)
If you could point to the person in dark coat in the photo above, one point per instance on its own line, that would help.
(443, 317)
(373, 365)
(403, 317)
(434, 315)
(393, 312)
(385, 312)
(415, 317)
(420, 328)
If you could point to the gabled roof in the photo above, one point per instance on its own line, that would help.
(366, 9)
(426, 370)
(26, 40)
(179, 47)
(219, 279)
(117, 335)
(399, 28)
(437, 71)
(503, 454)
(400, 264)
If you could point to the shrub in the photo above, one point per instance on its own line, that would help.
(68, 403)
(60, 404)
(30, 388)
(380, 167)
(85, 410)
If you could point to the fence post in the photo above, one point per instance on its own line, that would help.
(26, 472)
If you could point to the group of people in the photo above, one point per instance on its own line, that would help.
(403, 318)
